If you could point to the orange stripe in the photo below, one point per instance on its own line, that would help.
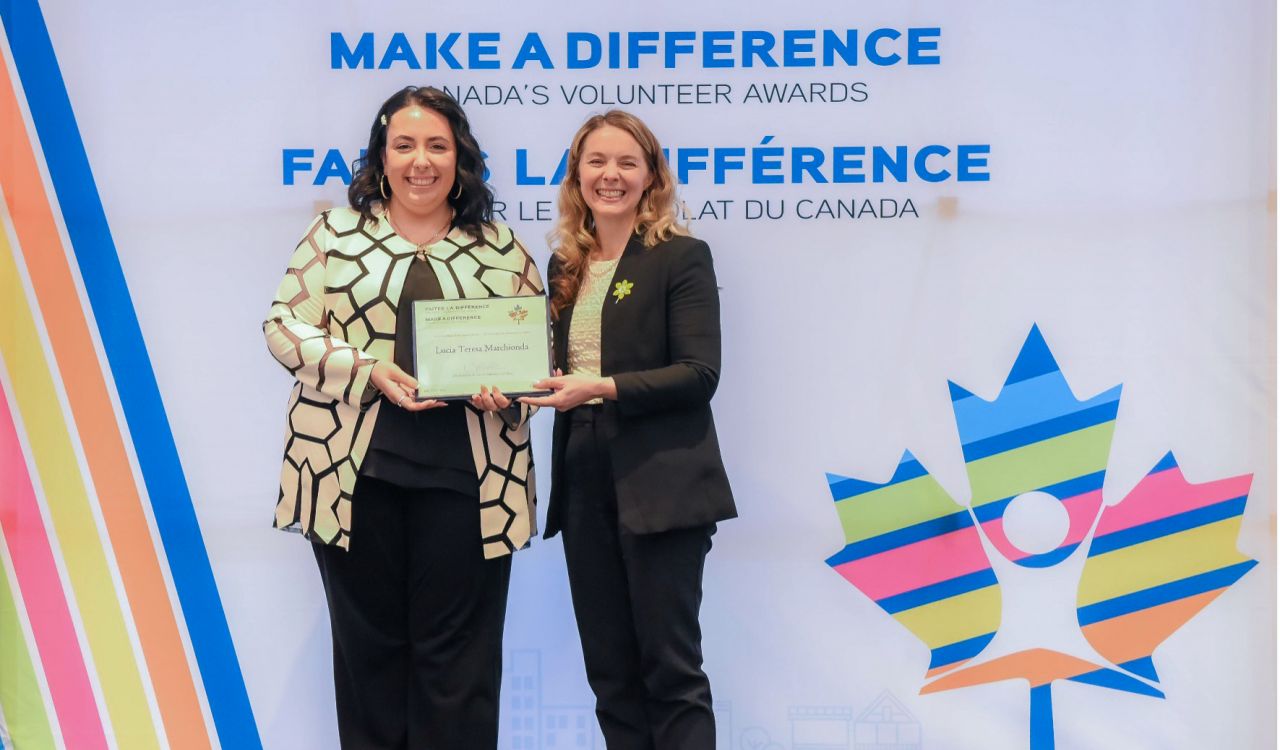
(1039, 666)
(1136, 635)
(103, 446)
(929, 675)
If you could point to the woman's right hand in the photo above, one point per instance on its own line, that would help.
(399, 387)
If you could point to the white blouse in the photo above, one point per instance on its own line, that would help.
(584, 328)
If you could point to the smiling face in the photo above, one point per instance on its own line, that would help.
(420, 161)
(613, 174)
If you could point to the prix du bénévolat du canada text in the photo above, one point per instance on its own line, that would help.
(763, 163)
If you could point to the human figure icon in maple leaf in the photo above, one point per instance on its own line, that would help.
(991, 600)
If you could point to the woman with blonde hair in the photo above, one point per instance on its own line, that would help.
(637, 483)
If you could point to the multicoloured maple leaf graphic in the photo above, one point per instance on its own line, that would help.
(1147, 564)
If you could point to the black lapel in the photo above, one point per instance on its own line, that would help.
(561, 338)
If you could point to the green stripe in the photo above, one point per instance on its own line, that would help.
(20, 698)
(894, 507)
(1041, 464)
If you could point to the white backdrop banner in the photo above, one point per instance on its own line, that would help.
(997, 401)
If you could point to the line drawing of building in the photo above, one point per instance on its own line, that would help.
(570, 727)
(723, 711)
(886, 725)
(820, 727)
(528, 723)
(522, 694)
(531, 724)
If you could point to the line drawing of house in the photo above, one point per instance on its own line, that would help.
(886, 725)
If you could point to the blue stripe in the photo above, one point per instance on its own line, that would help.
(843, 488)
(126, 353)
(901, 537)
(1047, 559)
(1029, 402)
(1168, 526)
(1166, 463)
(1110, 678)
(1042, 717)
(1162, 594)
(959, 651)
(1143, 667)
(957, 393)
(1033, 359)
(1035, 433)
(979, 579)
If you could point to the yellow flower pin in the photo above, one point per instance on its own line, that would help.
(621, 289)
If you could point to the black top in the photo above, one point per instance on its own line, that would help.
(425, 449)
(660, 341)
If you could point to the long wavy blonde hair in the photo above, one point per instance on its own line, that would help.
(574, 237)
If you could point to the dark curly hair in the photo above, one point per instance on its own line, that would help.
(473, 209)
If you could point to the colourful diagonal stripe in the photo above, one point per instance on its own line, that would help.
(160, 640)
(916, 553)
(105, 454)
(67, 498)
(1036, 436)
(36, 573)
(1159, 557)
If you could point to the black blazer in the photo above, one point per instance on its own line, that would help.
(661, 344)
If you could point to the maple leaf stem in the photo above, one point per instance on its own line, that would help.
(1042, 717)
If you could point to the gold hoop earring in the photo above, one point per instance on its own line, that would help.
(384, 187)
(457, 193)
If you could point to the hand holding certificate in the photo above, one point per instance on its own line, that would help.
(461, 345)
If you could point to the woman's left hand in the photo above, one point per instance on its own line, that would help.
(571, 390)
(490, 400)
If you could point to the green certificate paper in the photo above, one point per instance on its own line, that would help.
(462, 344)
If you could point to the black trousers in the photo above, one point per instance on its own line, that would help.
(636, 601)
(417, 616)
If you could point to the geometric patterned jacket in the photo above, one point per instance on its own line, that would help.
(333, 317)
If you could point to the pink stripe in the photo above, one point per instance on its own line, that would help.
(1081, 509)
(918, 564)
(958, 553)
(1166, 494)
(951, 555)
(33, 564)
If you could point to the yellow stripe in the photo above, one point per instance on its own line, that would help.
(955, 619)
(1162, 560)
(67, 498)
(1040, 464)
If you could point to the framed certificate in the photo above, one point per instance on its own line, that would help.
(462, 344)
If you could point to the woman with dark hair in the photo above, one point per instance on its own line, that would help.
(637, 483)
(414, 507)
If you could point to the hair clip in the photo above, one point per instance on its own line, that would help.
(383, 118)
